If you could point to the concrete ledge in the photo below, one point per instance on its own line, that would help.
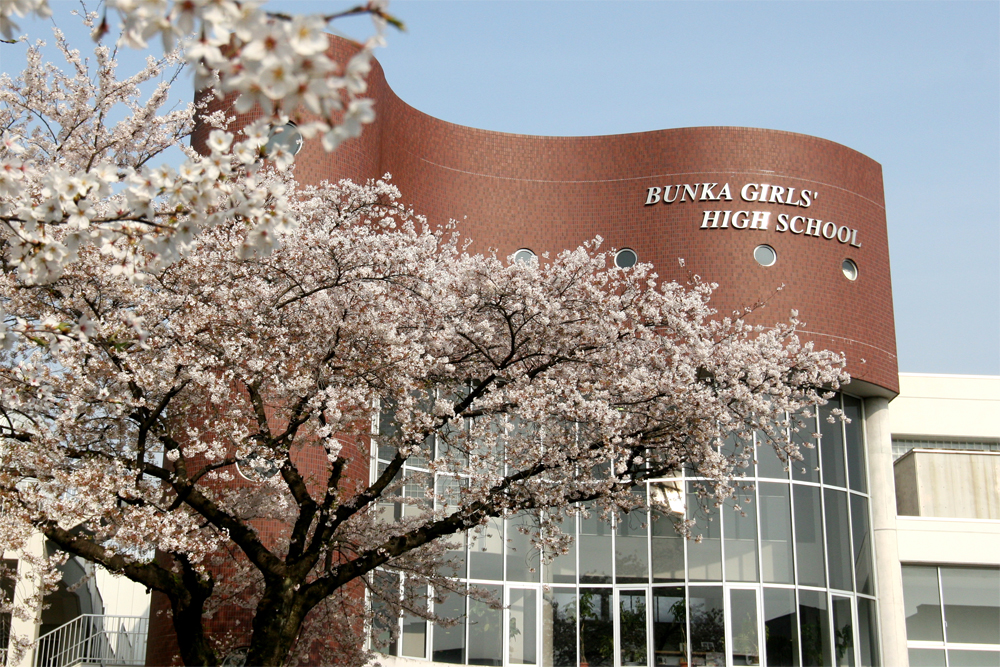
(948, 541)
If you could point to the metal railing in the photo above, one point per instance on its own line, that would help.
(93, 639)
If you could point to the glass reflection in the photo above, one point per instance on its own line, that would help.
(855, 444)
(814, 629)
(486, 551)
(632, 627)
(780, 628)
(559, 628)
(971, 605)
(631, 546)
(806, 470)
(562, 568)
(523, 559)
(704, 557)
(595, 548)
(597, 638)
(743, 627)
(775, 532)
(522, 631)
(862, 545)
(809, 535)
(449, 641)
(741, 541)
(667, 546)
(485, 636)
(838, 540)
(843, 632)
(922, 603)
(832, 445)
(669, 626)
(708, 625)
(868, 633)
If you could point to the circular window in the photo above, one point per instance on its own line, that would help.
(524, 256)
(256, 468)
(850, 269)
(765, 255)
(285, 136)
(626, 258)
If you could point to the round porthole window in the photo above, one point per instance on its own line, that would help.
(285, 136)
(256, 468)
(524, 256)
(626, 258)
(850, 269)
(765, 255)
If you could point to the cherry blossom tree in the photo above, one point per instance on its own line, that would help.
(199, 362)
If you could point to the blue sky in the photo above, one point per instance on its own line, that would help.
(913, 85)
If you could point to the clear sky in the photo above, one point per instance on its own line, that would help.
(913, 85)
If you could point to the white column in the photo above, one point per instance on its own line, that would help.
(883, 498)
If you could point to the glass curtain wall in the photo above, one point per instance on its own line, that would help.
(783, 579)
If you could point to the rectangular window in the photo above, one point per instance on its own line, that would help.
(669, 626)
(485, 638)
(632, 627)
(971, 599)
(449, 641)
(523, 627)
(559, 628)
(597, 636)
(705, 557)
(743, 627)
(775, 533)
(814, 629)
(781, 630)
(631, 544)
(809, 536)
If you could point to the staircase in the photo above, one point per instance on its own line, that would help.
(94, 640)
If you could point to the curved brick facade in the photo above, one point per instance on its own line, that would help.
(550, 193)
(513, 191)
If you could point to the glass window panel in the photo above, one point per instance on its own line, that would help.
(922, 603)
(631, 546)
(973, 658)
(559, 628)
(486, 551)
(971, 605)
(632, 627)
(595, 549)
(485, 636)
(814, 629)
(387, 429)
(415, 489)
(667, 546)
(768, 463)
(743, 627)
(775, 532)
(449, 493)
(855, 444)
(868, 633)
(523, 558)
(449, 641)
(523, 626)
(705, 557)
(708, 625)
(385, 612)
(806, 470)
(414, 640)
(781, 633)
(809, 536)
(562, 569)
(669, 626)
(843, 632)
(863, 578)
(832, 445)
(597, 640)
(927, 657)
(741, 540)
(838, 540)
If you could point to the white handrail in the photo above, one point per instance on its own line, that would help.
(94, 639)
